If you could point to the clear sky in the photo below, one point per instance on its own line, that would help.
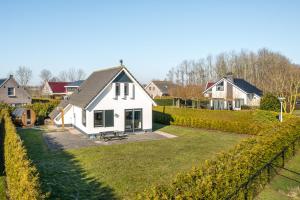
(150, 36)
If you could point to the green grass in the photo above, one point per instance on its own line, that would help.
(121, 171)
(282, 188)
(2, 188)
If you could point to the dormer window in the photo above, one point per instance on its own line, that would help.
(117, 89)
(11, 91)
(220, 86)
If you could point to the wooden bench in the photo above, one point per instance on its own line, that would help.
(110, 135)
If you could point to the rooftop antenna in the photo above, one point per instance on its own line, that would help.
(121, 62)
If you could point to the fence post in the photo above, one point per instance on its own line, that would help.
(294, 153)
(283, 157)
(269, 173)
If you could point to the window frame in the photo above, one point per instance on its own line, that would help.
(220, 86)
(241, 102)
(126, 89)
(102, 112)
(118, 89)
(14, 91)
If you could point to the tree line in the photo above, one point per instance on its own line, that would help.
(269, 71)
(24, 75)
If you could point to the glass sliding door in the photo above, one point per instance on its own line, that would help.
(133, 120)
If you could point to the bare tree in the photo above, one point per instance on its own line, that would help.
(72, 75)
(23, 75)
(45, 75)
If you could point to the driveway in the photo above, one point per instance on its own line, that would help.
(73, 139)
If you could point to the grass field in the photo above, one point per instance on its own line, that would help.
(282, 188)
(2, 189)
(121, 171)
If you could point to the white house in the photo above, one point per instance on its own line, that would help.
(231, 93)
(109, 100)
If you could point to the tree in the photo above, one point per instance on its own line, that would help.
(23, 75)
(270, 102)
(45, 75)
(71, 75)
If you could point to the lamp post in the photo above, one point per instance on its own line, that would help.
(281, 99)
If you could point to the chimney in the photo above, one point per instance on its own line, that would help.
(229, 76)
(11, 76)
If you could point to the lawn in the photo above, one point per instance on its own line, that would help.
(282, 188)
(2, 189)
(121, 171)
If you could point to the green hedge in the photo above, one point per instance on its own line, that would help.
(22, 179)
(220, 177)
(164, 102)
(246, 121)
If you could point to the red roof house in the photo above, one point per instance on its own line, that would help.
(54, 88)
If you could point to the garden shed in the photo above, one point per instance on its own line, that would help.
(24, 116)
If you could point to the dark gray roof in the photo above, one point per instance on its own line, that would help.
(164, 86)
(75, 83)
(93, 85)
(18, 112)
(246, 86)
(55, 111)
(2, 81)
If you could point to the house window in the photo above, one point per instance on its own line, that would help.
(239, 103)
(150, 88)
(104, 118)
(84, 117)
(126, 90)
(117, 89)
(11, 91)
(220, 86)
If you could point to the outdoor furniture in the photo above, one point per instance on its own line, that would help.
(110, 135)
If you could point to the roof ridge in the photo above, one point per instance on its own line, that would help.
(106, 69)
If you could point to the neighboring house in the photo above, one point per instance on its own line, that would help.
(231, 93)
(73, 86)
(109, 100)
(12, 93)
(55, 90)
(159, 88)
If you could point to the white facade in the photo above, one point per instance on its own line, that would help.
(230, 96)
(136, 99)
(153, 90)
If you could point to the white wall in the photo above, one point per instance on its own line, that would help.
(154, 92)
(68, 116)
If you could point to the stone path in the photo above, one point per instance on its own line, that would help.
(73, 139)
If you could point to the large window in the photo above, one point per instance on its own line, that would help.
(239, 103)
(117, 89)
(104, 118)
(84, 117)
(11, 91)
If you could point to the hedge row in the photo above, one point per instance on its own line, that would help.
(220, 178)
(22, 179)
(164, 102)
(245, 122)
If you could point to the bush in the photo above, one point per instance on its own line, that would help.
(270, 102)
(221, 177)
(22, 179)
(245, 122)
(42, 110)
(164, 102)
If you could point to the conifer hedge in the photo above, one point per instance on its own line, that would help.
(22, 179)
(221, 177)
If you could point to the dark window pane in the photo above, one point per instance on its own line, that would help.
(84, 117)
(117, 89)
(126, 89)
(98, 118)
(109, 118)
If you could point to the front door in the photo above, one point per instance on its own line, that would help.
(28, 117)
(133, 120)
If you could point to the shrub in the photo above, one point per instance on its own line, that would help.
(246, 122)
(270, 102)
(219, 178)
(164, 102)
(21, 176)
(42, 110)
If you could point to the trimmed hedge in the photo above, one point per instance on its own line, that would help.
(22, 178)
(220, 178)
(270, 102)
(245, 122)
(164, 102)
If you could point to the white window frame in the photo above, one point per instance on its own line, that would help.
(14, 91)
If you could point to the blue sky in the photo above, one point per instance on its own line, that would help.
(150, 36)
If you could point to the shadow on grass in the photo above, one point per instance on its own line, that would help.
(60, 173)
